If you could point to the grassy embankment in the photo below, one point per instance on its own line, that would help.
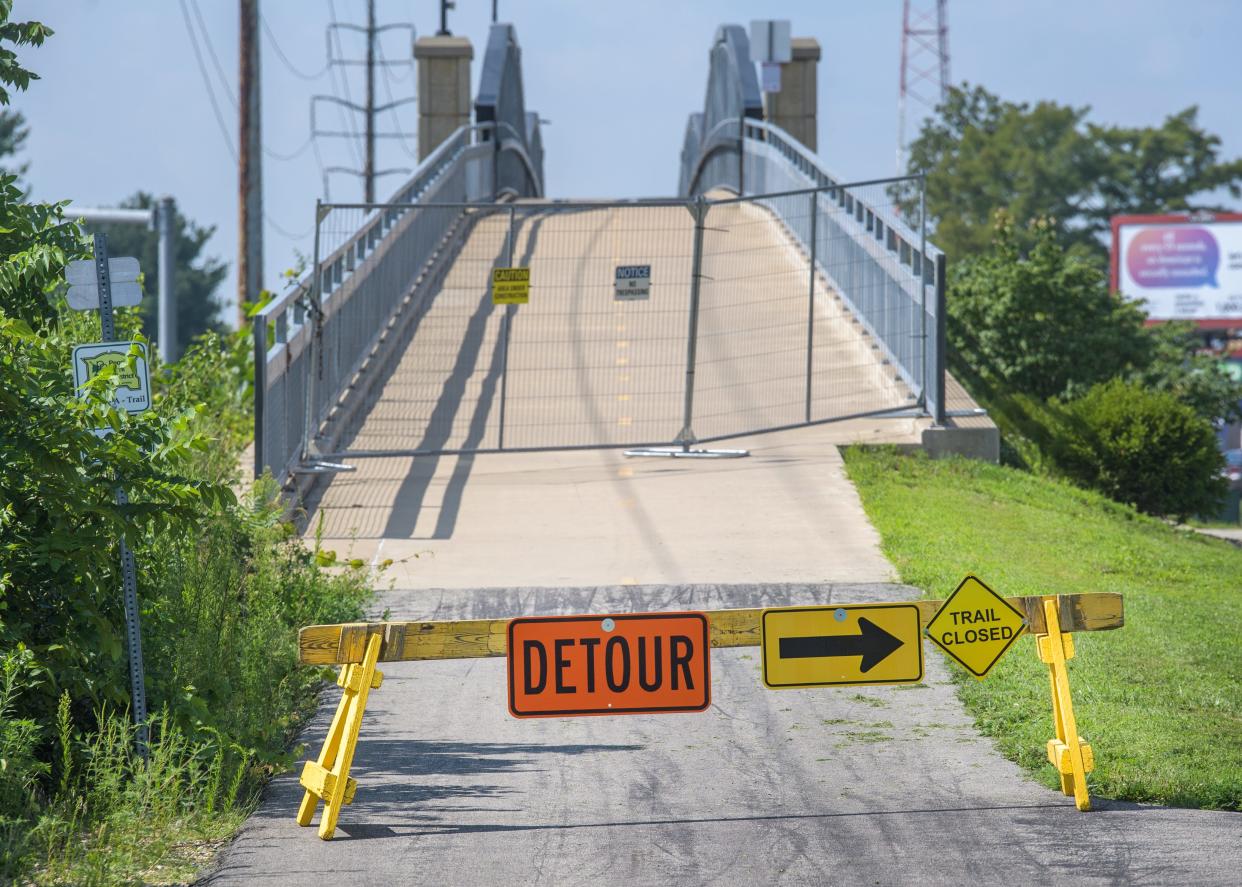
(1160, 700)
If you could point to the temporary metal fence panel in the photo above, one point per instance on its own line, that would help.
(585, 368)
(893, 272)
(764, 341)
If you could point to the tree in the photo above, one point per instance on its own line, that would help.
(1044, 325)
(197, 278)
(1047, 160)
(1029, 335)
(13, 133)
(1144, 448)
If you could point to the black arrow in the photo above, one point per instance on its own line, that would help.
(873, 644)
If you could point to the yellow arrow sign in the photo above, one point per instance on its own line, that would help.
(838, 646)
(975, 626)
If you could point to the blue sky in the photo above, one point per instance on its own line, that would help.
(122, 106)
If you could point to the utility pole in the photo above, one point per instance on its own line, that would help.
(250, 164)
(368, 166)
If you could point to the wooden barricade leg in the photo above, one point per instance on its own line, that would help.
(332, 742)
(328, 777)
(1068, 753)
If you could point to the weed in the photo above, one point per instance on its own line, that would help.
(873, 701)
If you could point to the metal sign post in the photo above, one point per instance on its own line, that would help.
(129, 571)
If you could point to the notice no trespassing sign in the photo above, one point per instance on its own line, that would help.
(633, 282)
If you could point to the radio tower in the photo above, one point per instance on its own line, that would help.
(924, 63)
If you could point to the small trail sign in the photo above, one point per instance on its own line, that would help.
(632, 283)
(510, 286)
(975, 626)
(639, 663)
(133, 393)
(836, 646)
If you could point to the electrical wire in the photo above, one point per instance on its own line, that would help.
(323, 176)
(279, 229)
(409, 69)
(293, 69)
(292, 155)
(396, 121)
(227, 87)
(347, 121)
(224, 129)
(211, 93)
(211, 51)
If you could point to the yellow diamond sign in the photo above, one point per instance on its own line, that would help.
(975, 626)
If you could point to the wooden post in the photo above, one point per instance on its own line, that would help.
(250, 163)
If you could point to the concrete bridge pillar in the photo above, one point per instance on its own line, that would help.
(793, 108)
(443, 89)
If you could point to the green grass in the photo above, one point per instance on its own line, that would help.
(1160, 700)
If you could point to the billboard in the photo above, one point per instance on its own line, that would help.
(1181, 267)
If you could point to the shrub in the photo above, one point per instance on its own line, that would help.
(1142, 447)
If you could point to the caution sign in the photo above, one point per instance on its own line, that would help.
(975, 626)
(836, 646)
(510, 286)
(133, 392)
(639, 663)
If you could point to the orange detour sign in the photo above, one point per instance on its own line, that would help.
(636, 663)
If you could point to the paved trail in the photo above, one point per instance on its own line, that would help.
(853, 786)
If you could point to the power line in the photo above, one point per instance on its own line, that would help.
(289, 234)
(292, 155)
(227, 87)
(346, 121)
(211, 51)
(392, 109)
(224, 129)
(211, 93)
(293, 69)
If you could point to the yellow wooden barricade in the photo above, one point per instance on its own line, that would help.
(358, 647)
(1068, 753)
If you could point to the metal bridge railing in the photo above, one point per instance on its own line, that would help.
(360, 281)
(895, 272)
(312, 342)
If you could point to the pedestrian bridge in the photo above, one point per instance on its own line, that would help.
(780, 298)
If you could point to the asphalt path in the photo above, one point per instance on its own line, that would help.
(867, 785)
